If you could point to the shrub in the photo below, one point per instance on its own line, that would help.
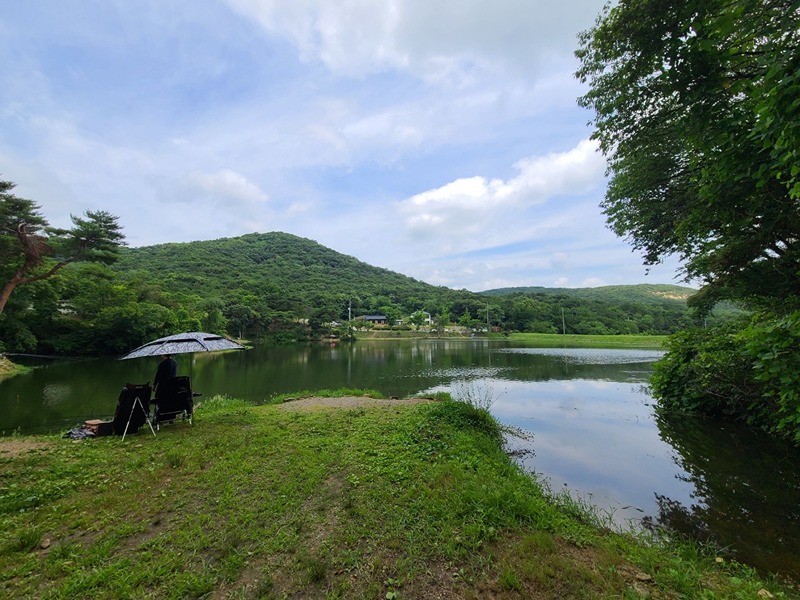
(705, 370)
(774, 347)
(747, 371)
(470, 410)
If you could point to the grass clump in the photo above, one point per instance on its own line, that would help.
(9, 369)
(394, 501)
(572, 340)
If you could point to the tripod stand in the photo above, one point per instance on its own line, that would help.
(138, 402)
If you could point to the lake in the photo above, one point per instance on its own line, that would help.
(593, 427)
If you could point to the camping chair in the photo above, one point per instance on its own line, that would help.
(174, 400)
(133, 409)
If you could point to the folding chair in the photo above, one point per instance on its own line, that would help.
(133, 409)
(174, 400)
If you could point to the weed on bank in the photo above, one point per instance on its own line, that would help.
(396, 501)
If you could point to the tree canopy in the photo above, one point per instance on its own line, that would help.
(31, 250)
(697, 110)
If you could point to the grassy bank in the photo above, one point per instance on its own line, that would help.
(552, 340)
(395, 501)
(392, 334)
(9, 369)
(545, 340)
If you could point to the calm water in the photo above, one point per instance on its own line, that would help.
(593, 424)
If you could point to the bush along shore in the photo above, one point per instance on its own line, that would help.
(388, 499)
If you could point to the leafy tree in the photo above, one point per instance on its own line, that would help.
(31, 250)
(391, 312)
(418, 318)
(213, 319)
(696, 109)
(441, 320)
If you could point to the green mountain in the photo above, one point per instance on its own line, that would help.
(643, 308)
(294, 274)
(644, 292)
(283, 287)
(276, 275)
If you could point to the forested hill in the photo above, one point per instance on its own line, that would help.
(283, 287)
(287, 272)
(647, 293)
(275, 277)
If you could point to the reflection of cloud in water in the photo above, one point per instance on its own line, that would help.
(550, 399)
(590, 356)
(55, 393)
(459, 373)
(598, 437)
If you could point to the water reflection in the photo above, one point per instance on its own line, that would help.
(593, 424)
(591, 356)
(745, 491)
(597, 437)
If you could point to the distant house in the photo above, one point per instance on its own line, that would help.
(374, 319)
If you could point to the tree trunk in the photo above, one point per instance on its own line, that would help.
(7, 289)
(18, 279)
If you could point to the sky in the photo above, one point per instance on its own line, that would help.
(440, 139)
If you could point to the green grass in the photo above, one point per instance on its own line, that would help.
(337, 393)
(400, 501)
(552, 340)
(9, 369)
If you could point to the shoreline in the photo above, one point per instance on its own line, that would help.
(350, 497)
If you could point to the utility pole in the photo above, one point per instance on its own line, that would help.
(563, 323)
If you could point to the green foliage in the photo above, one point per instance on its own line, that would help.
(696, 109)
(705, 370)
(15, 211)
(283, 288)
(774, 346)
(31, 251)
(271, 283)
(749, 371)
(263, 501)
(609, 310)
(695, 106)
(469, 410)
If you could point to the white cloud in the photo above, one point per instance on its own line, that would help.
(391, 131)
(476, 204)
(593, 282)
(224, 186)
(432, 39)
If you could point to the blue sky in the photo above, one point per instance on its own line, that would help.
(437, 138)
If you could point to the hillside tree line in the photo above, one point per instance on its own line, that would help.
(87, 294)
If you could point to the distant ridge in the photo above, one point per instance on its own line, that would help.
(646, 292)
(265, 278)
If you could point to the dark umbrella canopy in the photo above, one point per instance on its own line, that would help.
(184, 343)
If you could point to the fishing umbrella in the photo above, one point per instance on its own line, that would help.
(184, 343)
(181, 343)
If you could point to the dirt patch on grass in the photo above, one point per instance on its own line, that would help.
(14, 447)
(347, 402)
